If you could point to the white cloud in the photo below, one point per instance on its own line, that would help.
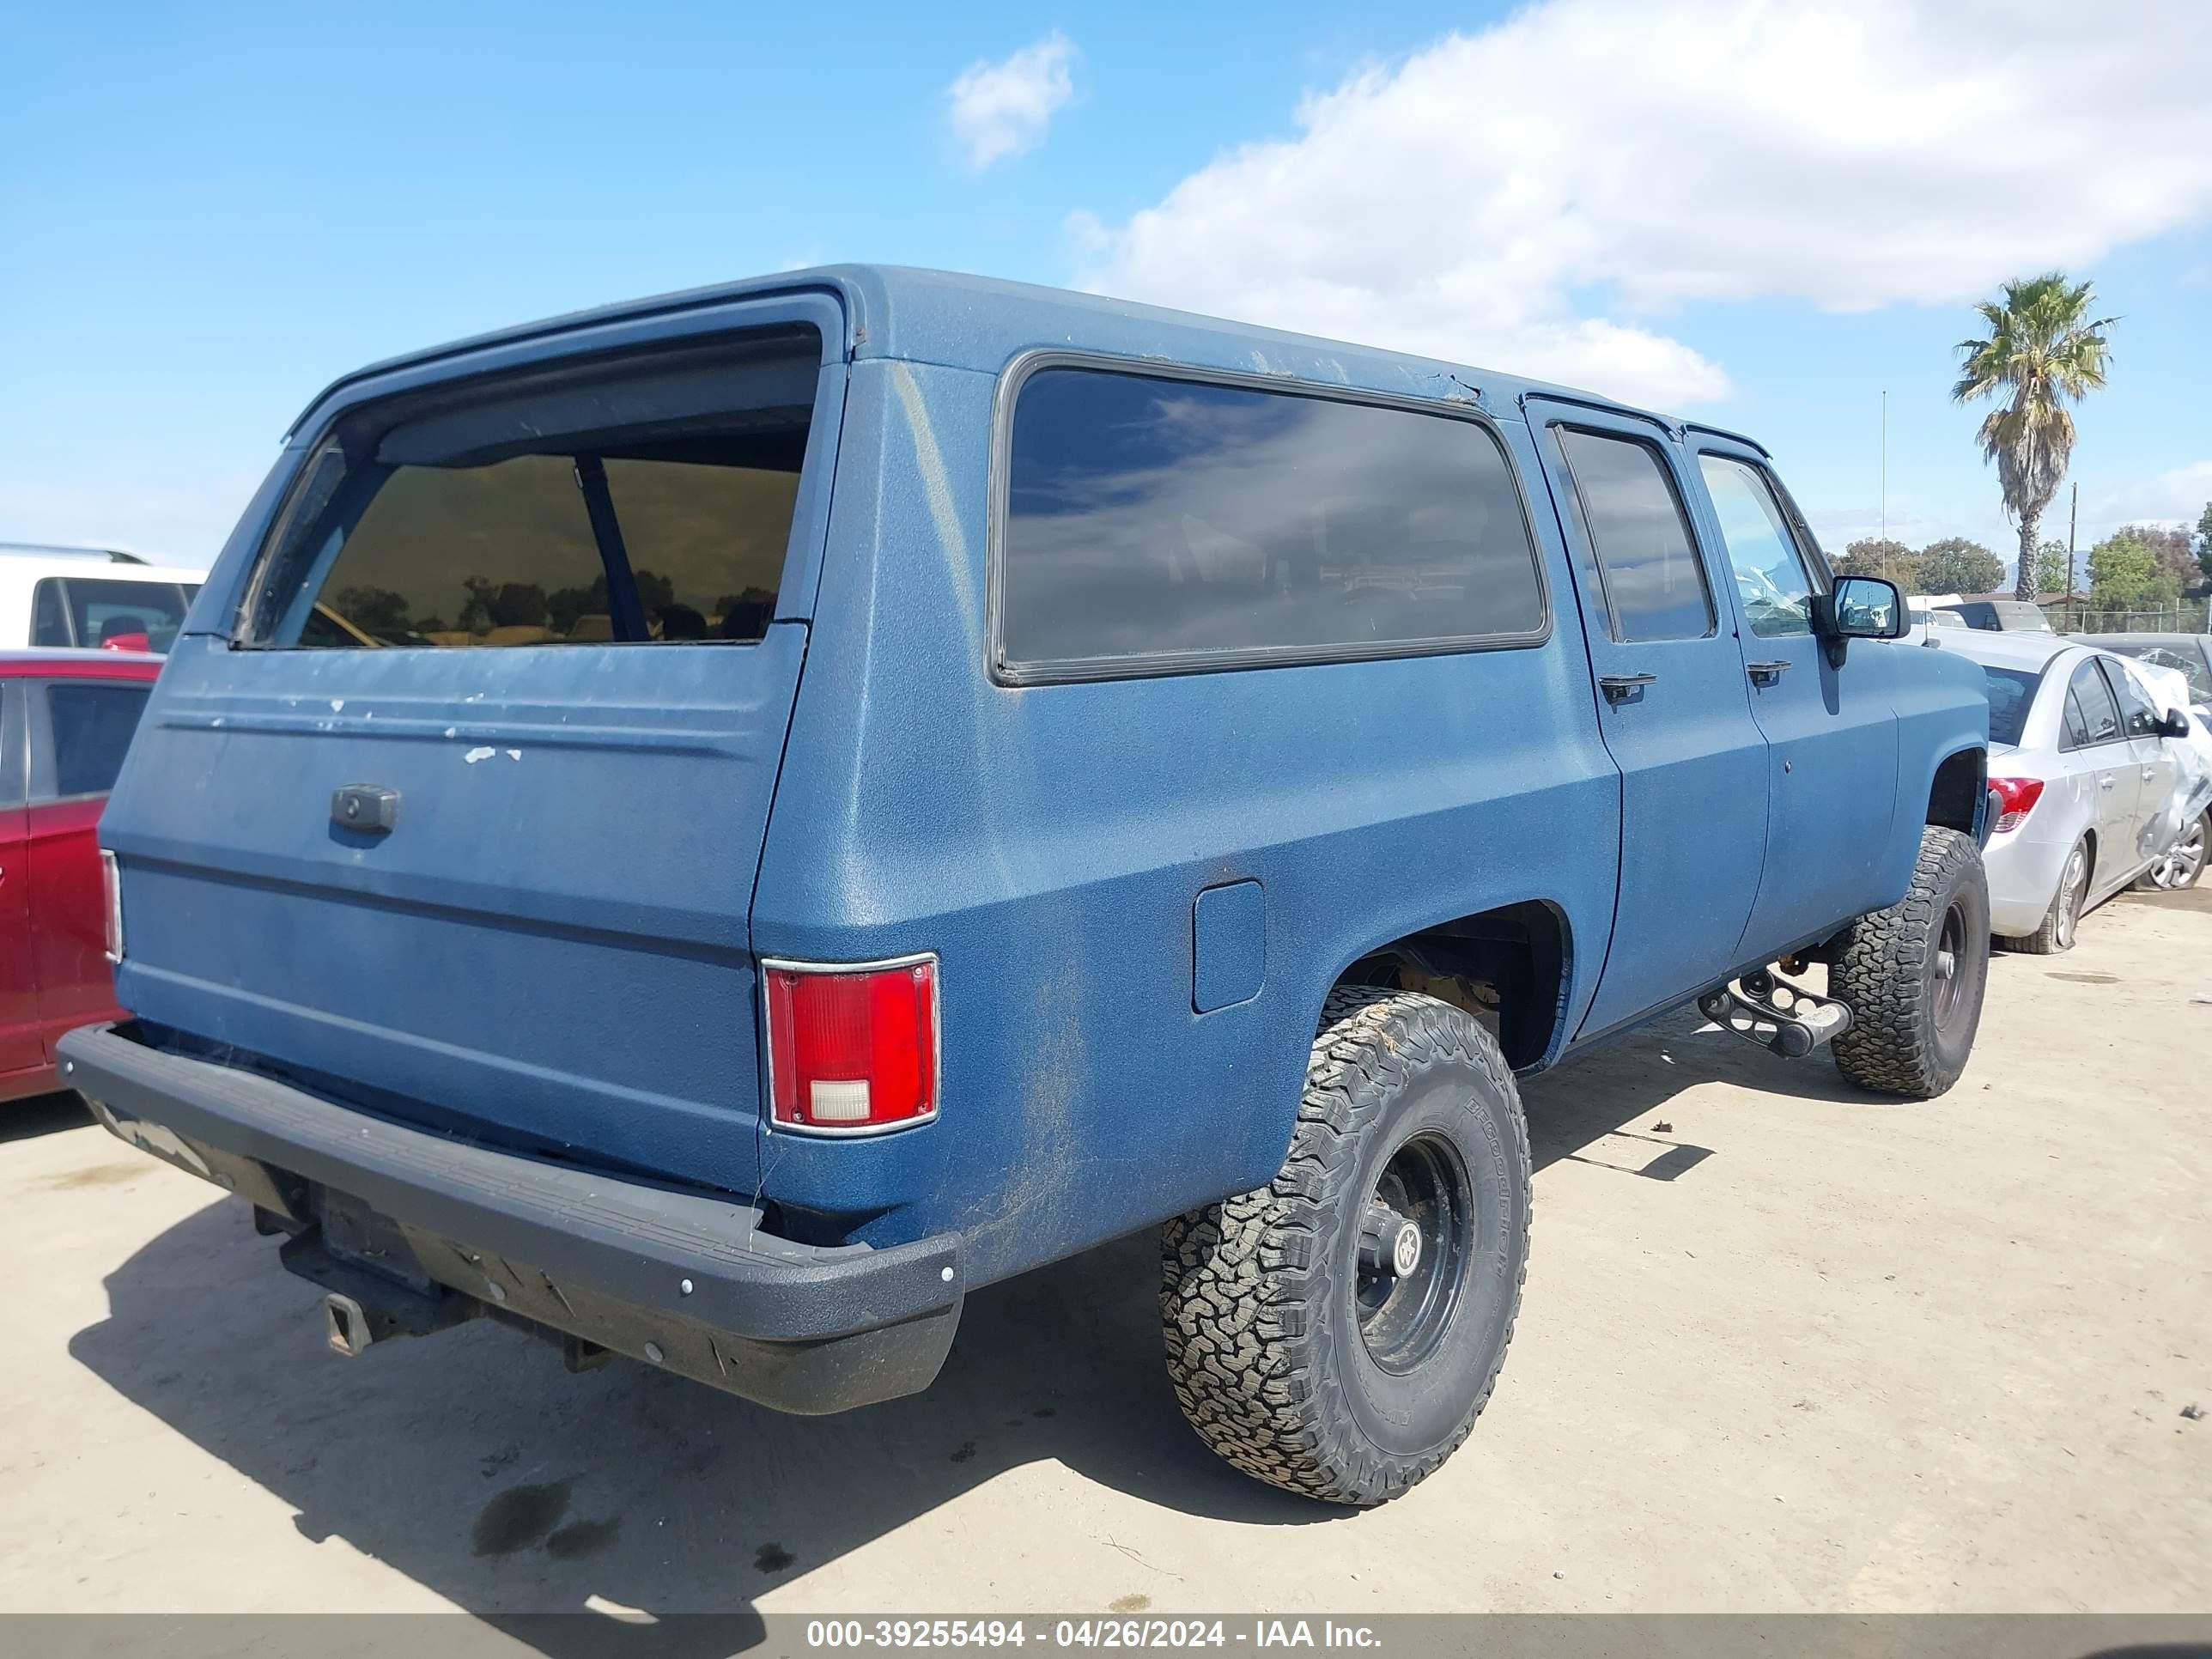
(1002, 109)
(1466, 202)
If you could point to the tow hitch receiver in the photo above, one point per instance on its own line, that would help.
(1786, 1018)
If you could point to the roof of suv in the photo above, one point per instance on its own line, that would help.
(980, 322)
(58, 663)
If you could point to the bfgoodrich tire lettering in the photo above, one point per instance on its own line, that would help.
(1913, 975)
(1261, 1295)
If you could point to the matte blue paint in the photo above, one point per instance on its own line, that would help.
(558, 951)
(1229, 945)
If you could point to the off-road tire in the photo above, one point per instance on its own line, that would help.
(2056, 935)
(1259, 1293)
(1907, 1036)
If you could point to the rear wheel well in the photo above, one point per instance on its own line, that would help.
(1507, 967)
(1956, 795)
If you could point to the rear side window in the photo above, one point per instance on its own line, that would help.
(2092, 716)
(447, 531)
(1655, 585)
(2010, 691)
(1155, 523)
(91, 723)
(115, 616)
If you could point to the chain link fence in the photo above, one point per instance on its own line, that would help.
(2186, 616)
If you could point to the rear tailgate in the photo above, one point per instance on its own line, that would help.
(491, 868)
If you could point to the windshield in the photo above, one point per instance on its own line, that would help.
(2010, 692)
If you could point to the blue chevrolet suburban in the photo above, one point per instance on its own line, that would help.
(707, 829)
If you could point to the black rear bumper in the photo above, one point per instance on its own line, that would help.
(688, 1283)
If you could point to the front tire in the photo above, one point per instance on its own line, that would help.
(1336, 1333)
(1913, 975)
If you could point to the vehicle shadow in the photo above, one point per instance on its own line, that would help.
(475, 1465)
(472, 1463)
(42, 1115)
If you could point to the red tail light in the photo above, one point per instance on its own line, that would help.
(852, 1051)
(2016, 798)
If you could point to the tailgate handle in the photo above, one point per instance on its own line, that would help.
(369, 808)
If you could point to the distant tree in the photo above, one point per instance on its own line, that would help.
(2044, 350)
(2204, 540)
(1868, 556)
(376, 610)
(502, 604)
(2171, 545)
(1955, 565)
(2052, 572)
(2125, 575)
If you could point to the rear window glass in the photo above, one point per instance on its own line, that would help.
(673, 532)
(2010, 690)
(117, 616)
(1154, 522)
(92, 726)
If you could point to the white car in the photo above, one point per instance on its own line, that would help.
(2085, 766)
(64, 596)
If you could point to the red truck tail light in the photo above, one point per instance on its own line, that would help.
(2016, 798)
(111, 884)
(852, 1050)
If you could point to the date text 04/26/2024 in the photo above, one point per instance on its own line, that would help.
(837, 1633)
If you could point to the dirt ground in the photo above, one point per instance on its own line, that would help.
(1785, 1347)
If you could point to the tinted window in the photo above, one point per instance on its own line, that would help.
(2010, 691)
(1150, 517)
(2092, 716)
(525, 517)
(49, 617)
(505, 554)
(2139, 718)
(92, 725)
(1655, 588)
(129, 615)
(1770, 577)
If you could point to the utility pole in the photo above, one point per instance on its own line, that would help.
(2073, 524)
(1887, 563)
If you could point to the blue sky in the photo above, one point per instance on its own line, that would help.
(1760, 212)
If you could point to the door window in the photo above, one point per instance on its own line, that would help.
(49, 620)
(2137, 717)
(91, 722)
(1771, 574)
(2092, 716)
(1655, 585)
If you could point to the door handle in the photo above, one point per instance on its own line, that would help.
(1764, 673)
(1619, 687)
(2150, 773)
(2108, 782)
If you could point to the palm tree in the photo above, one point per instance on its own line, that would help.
(2043, 348)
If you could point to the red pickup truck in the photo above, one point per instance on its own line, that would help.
(66, 718)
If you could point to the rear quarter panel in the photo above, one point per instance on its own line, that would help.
(1049, 843)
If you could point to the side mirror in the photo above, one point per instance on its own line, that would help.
(2173, 724)
(1859, 608)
